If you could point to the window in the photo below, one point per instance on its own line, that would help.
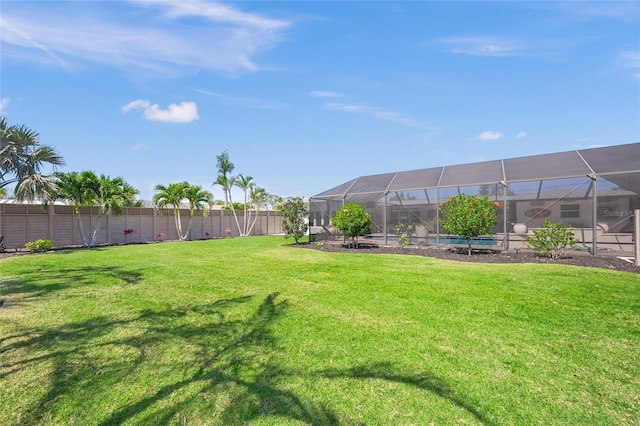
(570, 210)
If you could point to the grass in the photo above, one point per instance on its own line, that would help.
(246, 330)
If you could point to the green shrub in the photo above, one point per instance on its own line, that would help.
(294, 218)
(353, 221)
(39, 245)
(469, 216)
(553, 239)
(404, 231)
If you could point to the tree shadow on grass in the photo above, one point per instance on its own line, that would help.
(205, 363)
(30, 285)
(425, 381)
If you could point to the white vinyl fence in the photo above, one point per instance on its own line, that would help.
(21, 223)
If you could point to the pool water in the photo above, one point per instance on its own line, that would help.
(445, 239)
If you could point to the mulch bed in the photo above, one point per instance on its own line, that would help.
(483, 256)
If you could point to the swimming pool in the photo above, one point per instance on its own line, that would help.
(444, 239)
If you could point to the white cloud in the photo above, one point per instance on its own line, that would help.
(136, 104)
(184, 112)
(521, 135)
(215, 12)
(139, 147)
(64, 34)
(489, 136)
(324, 94)
(375, 112)
(630, 59)
(3, 103)
(482, 46)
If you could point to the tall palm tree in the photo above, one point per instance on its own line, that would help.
(244, 183)
(173, 194)
(224, 179)
(22, 158)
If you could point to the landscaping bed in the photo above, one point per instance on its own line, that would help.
(485, 256)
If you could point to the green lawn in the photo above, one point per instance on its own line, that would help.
(247, 330)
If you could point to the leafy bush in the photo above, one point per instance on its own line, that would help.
(353, 221)
(294, 218)
(469, 216)
(404, 231)
(39, 245)
(553, 239)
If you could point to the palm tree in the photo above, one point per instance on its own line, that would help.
(244, 183)
(257, 198)
(76, 188)
(198, 199)
(224, 179)
(22, 158)
(111, 196)
(173, 194)
(86, 189)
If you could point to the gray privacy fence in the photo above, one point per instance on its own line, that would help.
(21, 223)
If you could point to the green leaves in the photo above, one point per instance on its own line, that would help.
(294, 213)
(86, 188)
(553, 239)
(22, 158)
(469, 216)
(352, 220)
(173, 194)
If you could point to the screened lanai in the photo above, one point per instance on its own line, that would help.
(593, 190)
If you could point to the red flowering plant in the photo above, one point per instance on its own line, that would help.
(469, 216)
(353, 221)
(228, 232)
(126, 233)
(160, 236)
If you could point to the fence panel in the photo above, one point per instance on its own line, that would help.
(21, 223)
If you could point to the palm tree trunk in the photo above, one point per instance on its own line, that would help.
(95, 232)
(233, 210)
(254, 219)
(178, 221)
(84, 238)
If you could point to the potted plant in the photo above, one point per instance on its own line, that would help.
(422, 232)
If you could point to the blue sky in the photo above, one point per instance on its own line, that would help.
(307, 95)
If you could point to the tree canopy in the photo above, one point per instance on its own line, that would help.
(22, 159)
(173, 194)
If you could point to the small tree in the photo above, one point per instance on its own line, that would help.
(109, 195)
(469, 216)
(553, 239)
(294, 215)
(173, 194)
(353, 221)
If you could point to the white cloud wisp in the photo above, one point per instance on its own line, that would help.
(116, 34)
(489, 136)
